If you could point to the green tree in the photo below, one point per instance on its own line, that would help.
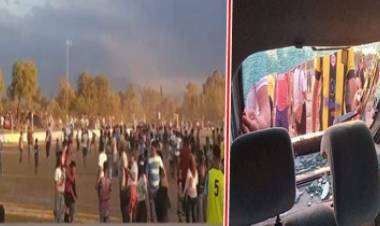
(2, 84)
(213, 96)
(54, 108)
(150, 101)
(130, 104)
(168, 108)
(104, 96)
(87, 94)
(65, 97)
(191, 102)
(24, 84)
(2, 89)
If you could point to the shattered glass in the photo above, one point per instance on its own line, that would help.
(307, 163)
(319, 189)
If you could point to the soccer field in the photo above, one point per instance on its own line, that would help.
(30, 198)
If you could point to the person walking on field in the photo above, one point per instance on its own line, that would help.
(184, 165)
(154, 165)
(132, 188)
(214, 189)
(58, 150)
(48, 140)
(190, 191)
(36, 156)
(30, 141)
(104, 194)
(162, 201)
(101, 159)
(142, 193)
(70, 192)
(85, 143)
(59, 199)
(123, 179)
(21, 145)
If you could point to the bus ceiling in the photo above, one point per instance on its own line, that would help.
(260, 25)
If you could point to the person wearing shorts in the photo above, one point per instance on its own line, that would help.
(59, 200)
(85, 141)
(36, 156)
(70, 192)
(282, 100)
(21, 145)
(132, 188)
(104, 194)
(48, 139)
(30, 141)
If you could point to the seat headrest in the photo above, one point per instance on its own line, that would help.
(262, 183)
(354, 168)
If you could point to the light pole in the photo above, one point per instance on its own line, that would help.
(68, 45)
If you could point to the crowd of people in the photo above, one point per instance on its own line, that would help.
(145, 161)
(333, 86)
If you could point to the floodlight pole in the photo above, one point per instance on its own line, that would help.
(68, 45)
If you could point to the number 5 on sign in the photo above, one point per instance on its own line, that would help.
(216, 186)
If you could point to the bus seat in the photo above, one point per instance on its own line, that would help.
(317, 215)
(262, 183)
(356, 186)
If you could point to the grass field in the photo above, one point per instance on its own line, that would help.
(30, 198)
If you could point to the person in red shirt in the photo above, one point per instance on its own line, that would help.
(282, 100)
(70, 192)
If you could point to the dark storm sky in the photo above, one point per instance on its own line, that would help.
(149, 42)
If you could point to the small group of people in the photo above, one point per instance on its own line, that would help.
(32, 146)
(65, 191)
(278, 100)
(139, 166)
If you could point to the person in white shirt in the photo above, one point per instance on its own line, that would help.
(59, 200)
(154, 166)
(132, 188)
(299, 100)
(190, 191)
(123, 176)
(114, 154)
(48, 140)
(101, 159)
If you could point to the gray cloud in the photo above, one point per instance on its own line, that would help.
(142, 41)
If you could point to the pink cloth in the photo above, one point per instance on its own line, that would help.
(282, 91)
(104, 196)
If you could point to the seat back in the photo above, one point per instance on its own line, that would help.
(318, 215)
(262, 176)
(355, 173)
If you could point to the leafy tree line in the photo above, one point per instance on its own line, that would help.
(94, 96)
